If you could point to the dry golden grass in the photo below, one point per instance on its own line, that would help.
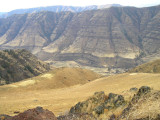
(147, 106)
(57, 78)
(60, 100)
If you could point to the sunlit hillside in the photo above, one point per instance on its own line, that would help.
(18, 97)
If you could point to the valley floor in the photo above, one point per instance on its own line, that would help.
(61, 100)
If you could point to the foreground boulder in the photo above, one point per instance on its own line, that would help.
(37, 113)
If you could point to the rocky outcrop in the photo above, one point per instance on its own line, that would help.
(141, 106)
(16, 65)
(99, 103)
(37, 113)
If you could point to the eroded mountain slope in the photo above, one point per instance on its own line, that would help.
(92, 38)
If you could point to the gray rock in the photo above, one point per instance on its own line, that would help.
(99, 109)
(133, 89)
(143, 90)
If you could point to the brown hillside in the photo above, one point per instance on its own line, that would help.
(58, 78)
(16, 65)
(151, 67)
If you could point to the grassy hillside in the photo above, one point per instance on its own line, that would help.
(18, 97)
(151, 67)
(16, 65)
(57, 78)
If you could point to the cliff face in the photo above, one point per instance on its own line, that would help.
(96, 38)
(16, 65)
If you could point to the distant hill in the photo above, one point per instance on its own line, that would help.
(151, 67)
(58, 8)
(16, 65)
(58, 78)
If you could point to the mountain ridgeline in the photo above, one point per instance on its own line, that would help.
(58, 8)
(16, 65)
(118, 36)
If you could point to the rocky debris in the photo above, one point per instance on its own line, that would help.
(83, 116)
(37, 113)
(98, 103)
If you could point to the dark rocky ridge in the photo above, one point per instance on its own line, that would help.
(16, 65)
(117, 36)
(115, 107)
(99, 104)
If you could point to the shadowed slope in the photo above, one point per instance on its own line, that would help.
(16, 65)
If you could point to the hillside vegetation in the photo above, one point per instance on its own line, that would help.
(151, 67)
(16, 65)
